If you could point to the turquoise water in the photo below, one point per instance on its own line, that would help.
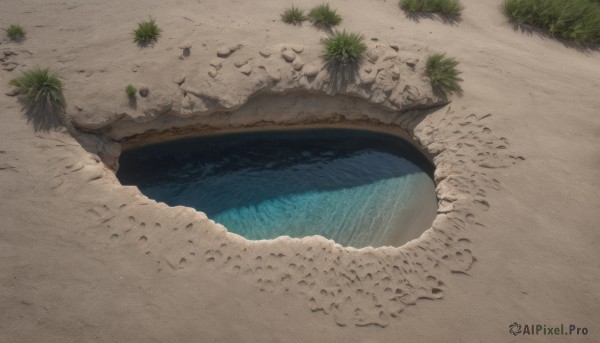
(358, 188)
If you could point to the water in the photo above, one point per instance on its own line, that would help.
(358, 188)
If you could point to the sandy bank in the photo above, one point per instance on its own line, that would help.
(86, 259)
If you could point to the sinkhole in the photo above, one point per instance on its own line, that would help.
(360, 188)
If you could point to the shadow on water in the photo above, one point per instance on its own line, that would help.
(216, 173)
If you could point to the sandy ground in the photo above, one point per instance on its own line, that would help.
(79, 261)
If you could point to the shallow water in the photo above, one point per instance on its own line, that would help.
(358, 188)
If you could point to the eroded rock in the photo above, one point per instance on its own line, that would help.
(288, 55)
(246, 69)
(310, 70)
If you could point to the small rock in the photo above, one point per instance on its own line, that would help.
(298, 64)
(385, 81)
(372, 55)
(396, 47)
(275, 77)
(235, 47)
(144, 91)
(246, 69)
(12, 92)
(78, 107)
(216, 63)
(240, 63)
(378, 96)
(212, 72)
(412, 62)
(273, 74)
(288, 55)
(8, 52)
(375, 39)
(186, 103)
(266, 53)
(367, 69)
(310, 70)
(9, 66)
(179, 79)
(223, 52)
(298, 49)
(366, 79)
(389, 56)
(395, 72)
(411, 93)
(186, 45)
(186, 50)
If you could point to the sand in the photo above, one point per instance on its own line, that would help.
(86, 259)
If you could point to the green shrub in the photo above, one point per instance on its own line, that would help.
(344, 48)
(15, 32)
(323, 15)
(146, 33)
(293, 15)
(130, 90)
(577, 20)
(442, 72)
(438, 6)
(41, 89)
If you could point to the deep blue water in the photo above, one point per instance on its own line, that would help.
(358, 188)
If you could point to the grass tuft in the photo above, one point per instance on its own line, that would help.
(323, 15)
(15, 32)
(40, 89)
(437, 6)
(293, 15)
(576, 20)
(147, 32)
(130, 90)
(344, 48)
(443, 74)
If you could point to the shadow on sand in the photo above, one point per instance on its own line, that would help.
(341, 75)
(451, 19)
(323, 27)
(42, 118)
(532, 30)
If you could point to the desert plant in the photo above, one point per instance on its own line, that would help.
(130, 90)
(577, 20)
(40, 89)
(344, 48)
(443, 74)
(147, 32)
(15, 32)
(293, 15)
(438, 6)
(323, 15)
